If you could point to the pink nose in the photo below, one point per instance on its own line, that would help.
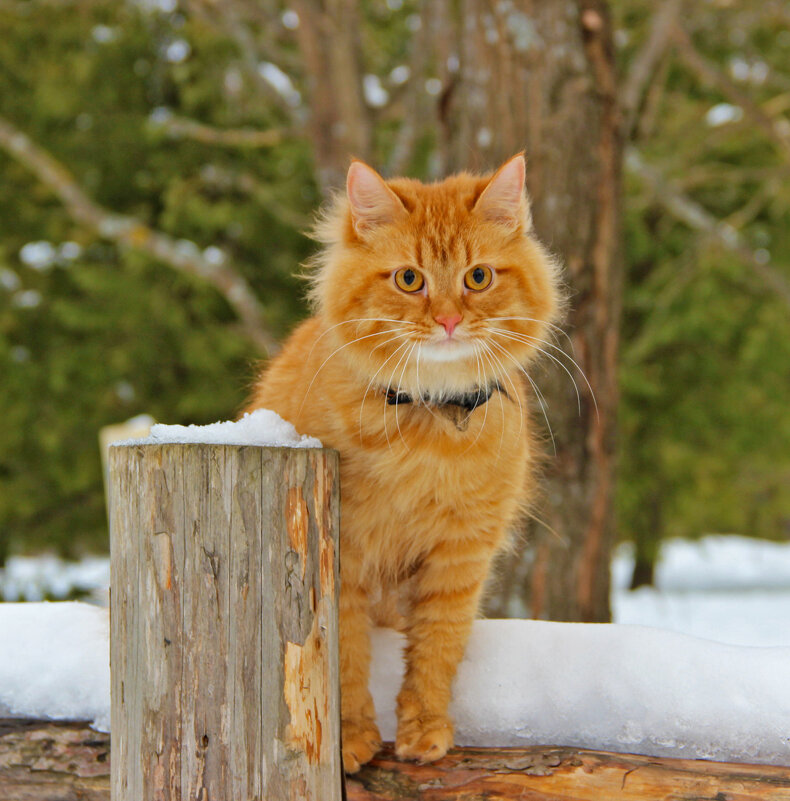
(449, 321)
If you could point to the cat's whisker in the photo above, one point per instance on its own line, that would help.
(357, 320)
(475, 346)
(503, 369)
(569, 358)
(386, 430)
(488, 353)
(386, 342)
(513, 387)
(333, 354)
(397, 392)
(367, 388)
(538, 394)
(559, 537)
(419, 398)
(525, 340)
(555, 328)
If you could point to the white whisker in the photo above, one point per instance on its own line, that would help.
(490, 355)
(479, 384)
(334, 353)
(367, 388)
(555, 328)
(419, 398)
(397, 392)
(392, 375)
(526, 339)
(538, 394)
(513, 386)
(358, 320)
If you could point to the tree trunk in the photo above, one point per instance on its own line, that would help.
(537, 76)
(540, 76)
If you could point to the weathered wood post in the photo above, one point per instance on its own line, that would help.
(224, 595)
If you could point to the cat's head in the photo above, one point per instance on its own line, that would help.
(435, 288)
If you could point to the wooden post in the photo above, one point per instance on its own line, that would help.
(224, 590)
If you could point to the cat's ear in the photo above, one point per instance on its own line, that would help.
(504, 200)
(371, 201)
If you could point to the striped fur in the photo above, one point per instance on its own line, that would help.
(426, 502)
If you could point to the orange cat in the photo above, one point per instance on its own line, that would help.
(429, 298)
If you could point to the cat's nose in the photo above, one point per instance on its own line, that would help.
(449, 321)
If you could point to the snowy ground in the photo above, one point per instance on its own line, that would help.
(47, 578)
(731, 589)
(650, 690)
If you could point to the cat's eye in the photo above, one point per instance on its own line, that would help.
(409, 280)
(479, 277)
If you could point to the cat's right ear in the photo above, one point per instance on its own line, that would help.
(371, 201)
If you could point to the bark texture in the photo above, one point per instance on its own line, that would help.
(225, 678)
(46, 761)
(564, 774)
(541, 77)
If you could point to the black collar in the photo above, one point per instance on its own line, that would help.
(469, 400)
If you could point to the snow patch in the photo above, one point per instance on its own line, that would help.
(261, 427)
(54, 662)
(607, 687)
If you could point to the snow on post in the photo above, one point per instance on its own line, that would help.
(224, 588)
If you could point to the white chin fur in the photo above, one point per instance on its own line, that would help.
(446, 351)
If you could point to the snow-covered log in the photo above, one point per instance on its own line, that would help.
(224, 580)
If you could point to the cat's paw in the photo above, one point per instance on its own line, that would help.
(424, 738)
(361, 741)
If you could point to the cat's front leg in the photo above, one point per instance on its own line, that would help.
(359, 733)
(445, 599)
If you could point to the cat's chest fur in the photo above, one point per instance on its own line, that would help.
(412, 475)
(432, 482)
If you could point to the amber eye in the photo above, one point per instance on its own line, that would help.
(409, 280)
(479, 277)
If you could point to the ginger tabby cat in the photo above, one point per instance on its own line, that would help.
(429, 299)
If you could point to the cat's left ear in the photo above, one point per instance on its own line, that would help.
(371, 201)
(504, 200)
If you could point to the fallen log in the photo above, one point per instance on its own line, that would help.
(53, 761)
(564, 774)
(56, 761)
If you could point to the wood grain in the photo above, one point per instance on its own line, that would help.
(48, 761)
(224, 623)
(564, 774)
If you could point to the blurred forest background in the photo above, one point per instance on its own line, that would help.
(160, 161)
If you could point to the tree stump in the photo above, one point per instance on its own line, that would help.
(224, 580)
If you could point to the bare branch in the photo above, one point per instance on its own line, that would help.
(688, 211)
(643, 67)
(225, 17)
(184, 128)
(711, 74)
(182, 255)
